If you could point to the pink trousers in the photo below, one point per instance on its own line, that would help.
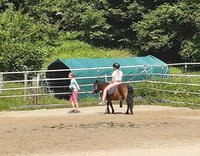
(74, 97)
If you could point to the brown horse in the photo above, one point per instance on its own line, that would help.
(122, 92)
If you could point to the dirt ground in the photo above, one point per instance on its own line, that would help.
(151, 131)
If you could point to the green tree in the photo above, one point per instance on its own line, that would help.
(190, 47)
(95, 27)
(120, 16)
(23, 41)
(168, 31)
(117, 18)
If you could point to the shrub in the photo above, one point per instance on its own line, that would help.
(170, 31)
(23, 40)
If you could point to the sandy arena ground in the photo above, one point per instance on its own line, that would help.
(151, 131)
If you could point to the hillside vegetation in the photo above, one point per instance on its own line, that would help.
(78, 49)
(33, 33)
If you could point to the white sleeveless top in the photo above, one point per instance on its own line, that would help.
(117, 74)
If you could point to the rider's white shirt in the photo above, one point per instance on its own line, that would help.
(117, 74)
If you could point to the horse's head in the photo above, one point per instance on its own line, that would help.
(96, 87)
(99, 86)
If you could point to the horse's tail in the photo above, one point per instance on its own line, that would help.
(129, 98)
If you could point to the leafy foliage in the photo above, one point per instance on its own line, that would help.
(71, 48)
(22, 40)
(95, 27)
(170, 29)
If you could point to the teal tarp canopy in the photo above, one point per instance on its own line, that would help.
(133, 69)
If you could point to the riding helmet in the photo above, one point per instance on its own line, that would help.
(116, 65)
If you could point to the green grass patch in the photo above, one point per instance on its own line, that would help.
(182, 94)
(33, 102)
(69, 47)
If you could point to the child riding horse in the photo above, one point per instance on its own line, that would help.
(122, 92)
(116, 80)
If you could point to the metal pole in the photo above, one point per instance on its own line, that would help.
(97, 72)
(186, 98)
(162, 78)
(106, 78)
(25, 87)
(145, 78)
(1, 84)
(38, 85)
(25, 82)
(42, 88)
(34, 90)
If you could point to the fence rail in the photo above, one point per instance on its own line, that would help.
(40, 82)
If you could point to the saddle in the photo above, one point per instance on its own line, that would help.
(112, 90)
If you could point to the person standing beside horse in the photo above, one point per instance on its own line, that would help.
(116, 80)
(74, 96)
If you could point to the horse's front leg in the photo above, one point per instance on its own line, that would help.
(107, 108)
(111, 105)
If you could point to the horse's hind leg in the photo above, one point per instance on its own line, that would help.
(120, 104)
(127, 111)
(129, 100)
(131, 108)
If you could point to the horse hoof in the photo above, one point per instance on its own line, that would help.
(107, 113)
(127, 113)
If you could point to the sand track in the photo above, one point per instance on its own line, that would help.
(152, 130)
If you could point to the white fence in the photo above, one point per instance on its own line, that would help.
(34, 83)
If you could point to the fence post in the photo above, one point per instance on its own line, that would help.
(97, 72)
(42, 88)
(98, 78)
(25, 86)
(106, 78)
(38, 84)
(1, 83)
(185, 71)
(25, 82)
(34, 90)
(162, 78)
(145, 78)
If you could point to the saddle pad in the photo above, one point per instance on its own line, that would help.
(112, 90)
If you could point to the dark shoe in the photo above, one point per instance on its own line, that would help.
(72, 111)
(78, 111)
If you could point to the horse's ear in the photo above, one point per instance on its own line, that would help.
(96, 81)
